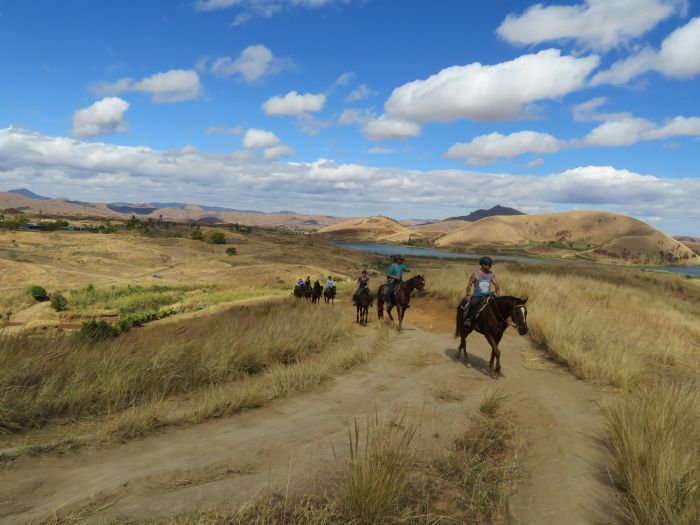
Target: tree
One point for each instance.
(218, 238)
(197, 234)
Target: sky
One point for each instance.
(406, 108)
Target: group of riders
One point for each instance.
(479, 286)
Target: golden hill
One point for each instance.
(440, 228)
(594, 235)
(379, 229)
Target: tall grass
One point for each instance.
(53, 378)
(656, 454)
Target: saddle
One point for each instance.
(473, 314)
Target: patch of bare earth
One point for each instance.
(289, 445)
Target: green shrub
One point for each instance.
(231, 251)
(197, 234)
(218, 238)
(58, 302)
(38, 293)
(98, 330)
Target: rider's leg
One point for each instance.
(469, 311)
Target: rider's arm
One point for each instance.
(470, 284)
(496, 285)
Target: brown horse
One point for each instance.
(316, 292)
(492, 321)
(402, 296)
(363, 301)
(303, 291)
(329, 294)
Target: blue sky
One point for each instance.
(405, 108)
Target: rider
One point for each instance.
(481, 280)
(362, 282)
(329, 283)
(393, 277)
(308, 281)
(300, 282)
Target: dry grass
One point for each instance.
(656, 454)
(55, 378)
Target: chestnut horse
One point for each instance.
(492, 321)
(402, 297)
(363, 301)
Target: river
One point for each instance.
(414, 251)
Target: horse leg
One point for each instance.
(498, 353)
(495, 355)
(401, 310)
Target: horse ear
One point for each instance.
(525, 300)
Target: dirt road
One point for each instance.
(286, 445)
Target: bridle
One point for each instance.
(500, 317)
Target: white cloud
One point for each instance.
(93, 171)
(277, 152)
(535, 163)
(312, 126)
(487, 93)
(253, 64)
(384, 128)
(378, 150)
(260, 8)
(343, 80)
(176, 85)
(104, 117)
(588, 111)
(354, 116)
(622, 132)
(294, 104)
(678, 126)
(362, 92)
(677, 58)
(594, 24)
(260, 138)
(489, 148)
(223, 129)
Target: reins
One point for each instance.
(500, 315)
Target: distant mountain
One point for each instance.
(29, 194)
(482, 214)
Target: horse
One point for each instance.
(329, 294)
(302, 291)
(363, 301)
(492, 321)
(402, 297)
(316, 292)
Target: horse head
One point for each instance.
(519, 315)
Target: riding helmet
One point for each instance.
(486, 260)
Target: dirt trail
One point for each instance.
(284, 446)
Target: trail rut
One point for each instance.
(285, 446)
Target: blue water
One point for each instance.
(413, 251)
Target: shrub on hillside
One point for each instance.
(218, 238)
(231, 251)
(197, 234)
(98, 330)
(38, 293)
(58, 302)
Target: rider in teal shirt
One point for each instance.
(393, 276)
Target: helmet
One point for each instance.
(364, 270)
(486, 261)
(396, 258)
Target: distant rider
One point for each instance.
(362, 282)
(482, 279)
(300, 282)
(329, 283)
(308, 281)
(393, 277)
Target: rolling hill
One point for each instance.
(592, 235)
(379, 229)
(477, 215)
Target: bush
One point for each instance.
(197, 234)
(218, 238)
(231, 251)
(98, 330)
(38, 293)
(58, 302)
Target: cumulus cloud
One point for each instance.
(71, 166)
(354, 116)
(489, 93)
(383, 128)
(104, 117)
(489, 148)
(273, 147)
(223, 129)
(594, 24)
(678, 57)
(176, 85)
(253, 64)
(294, 104)
(362, 92)
(622, 132)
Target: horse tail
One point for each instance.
(460, 313)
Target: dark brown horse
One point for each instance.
(363, 301)
(302, 291)
(316, 292)
(402, 297)
(492, 321)
(329, 294)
